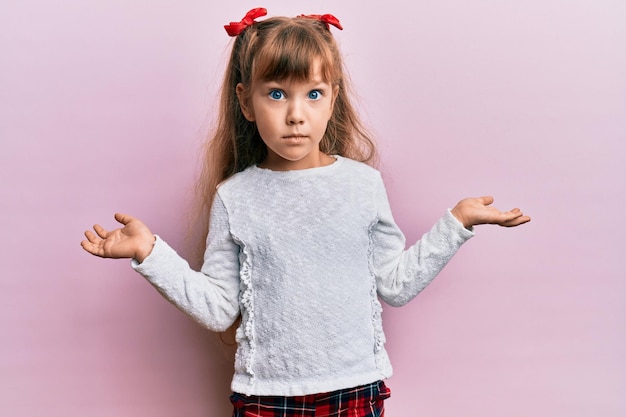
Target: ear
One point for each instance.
(244, 104)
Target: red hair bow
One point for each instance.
(235, 28)
(324, 18)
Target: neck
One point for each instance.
(276, 163)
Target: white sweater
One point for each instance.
(303, 256)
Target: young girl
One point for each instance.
(301, 241)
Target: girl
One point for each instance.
(301, 241)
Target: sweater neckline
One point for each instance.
(299, 173)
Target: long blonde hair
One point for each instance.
(277, 48)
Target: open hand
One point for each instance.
(475, 211)
(134, 240)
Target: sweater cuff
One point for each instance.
(457, 226)
(159, 247)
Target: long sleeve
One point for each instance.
(402, 274)
(209, 296)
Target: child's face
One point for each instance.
(291, 117)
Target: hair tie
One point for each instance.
(235, 28)
(324, 18)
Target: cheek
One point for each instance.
(265, 126)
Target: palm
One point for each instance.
(130, 241)
(475, 211)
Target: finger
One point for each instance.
(486, 200)
(517, 221)
(513, 214)
(85, 245)
(91, 248)
(91, 237)
(101, 231)
(516, 213)
(123, 218)
(504, 218)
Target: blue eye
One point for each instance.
(276, 94)
(315, 95)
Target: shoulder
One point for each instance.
(361, 172)
(238, 180)
(241, 186)
(356, 167)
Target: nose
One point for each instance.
(295, 112)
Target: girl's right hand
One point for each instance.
(134, 240)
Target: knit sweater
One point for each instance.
(304, 257)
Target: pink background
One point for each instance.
(103, 105)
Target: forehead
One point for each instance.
(315, 75)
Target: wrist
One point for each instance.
(458, 214)
(145, 249)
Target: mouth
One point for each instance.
(294, 137)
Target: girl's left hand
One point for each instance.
(474, 211)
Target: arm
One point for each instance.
(402, 274)
(209, 296)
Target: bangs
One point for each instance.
(290, 55)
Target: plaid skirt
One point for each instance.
(363, 401)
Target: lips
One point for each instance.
(294, 137)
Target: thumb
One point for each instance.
(123, 218)
(486, 200)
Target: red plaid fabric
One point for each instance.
(363, 401)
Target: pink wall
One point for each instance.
(102, 107)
